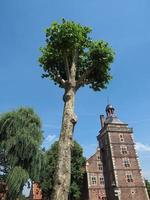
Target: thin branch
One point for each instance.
(73, 66)
(75, 57)
(60, 80)
(82, 79)
(67, 67)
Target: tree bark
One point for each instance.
(63, 172)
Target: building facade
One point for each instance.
(96, 185)
(120, 166)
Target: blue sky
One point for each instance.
(124, 24)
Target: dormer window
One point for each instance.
(99, 165)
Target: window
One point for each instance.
(121, 138)
(98, 157)
(124, 150)
(94, 180)
(126, 162)
(101, 180)
(99, 165)
(129, 177)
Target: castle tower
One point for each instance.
(123, 179)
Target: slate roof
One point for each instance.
(113, 120)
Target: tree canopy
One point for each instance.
(69, 42)
(21, 137)
(48, 171)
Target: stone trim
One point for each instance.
(124, 169)
(132, 186)
(123, 156)
(123, 143)
(113, 160)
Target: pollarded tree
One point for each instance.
(21, 137)
(72, 60)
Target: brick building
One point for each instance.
(35, 193)
(115, 163)
(94, 169)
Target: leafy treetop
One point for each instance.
(69, 44)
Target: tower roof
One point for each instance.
(109, 106)
(111, 116)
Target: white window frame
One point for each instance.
(126, 162)
(124, 150)
(101, 180)
(93, 182)
(129, 177)
(100, 166)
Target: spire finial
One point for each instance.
(110, 110)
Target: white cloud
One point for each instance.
(142, 147)
(49, 139)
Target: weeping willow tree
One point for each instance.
(72, 60)
(21, 137)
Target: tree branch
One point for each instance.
(67, 67)
(73, 66)
(81, 80)
(59, 79)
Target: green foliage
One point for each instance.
(16, 179)
(63, 42)
(77, 171)
(22, 197)
(3, 165)
(67, 35)
(48, 171)
(21, 137)
(147, 183)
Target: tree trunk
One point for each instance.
(63, 172)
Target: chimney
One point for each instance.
(102, 120)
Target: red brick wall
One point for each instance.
(37, 194)
(96, 191)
